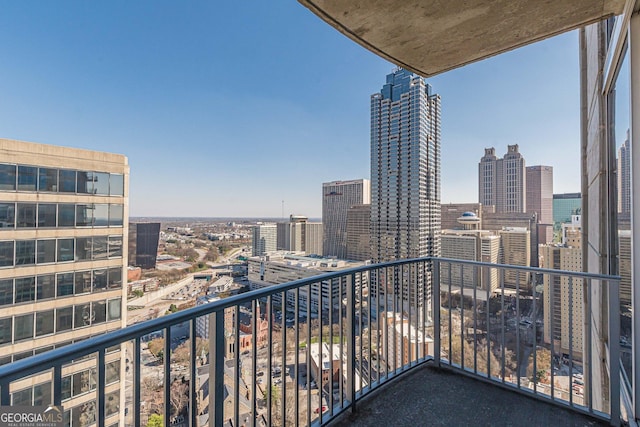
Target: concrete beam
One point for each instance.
(432, 36)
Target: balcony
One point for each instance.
(348, 347)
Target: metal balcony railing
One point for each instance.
(303, 352)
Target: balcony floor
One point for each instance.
(430, 396)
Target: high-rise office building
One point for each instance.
(540, 200)
(562, 307)
(564, 206)
(516, 250)
(502, 182)
(470, 245)
(359, 233)
(624, 177)
(450, 212)
(337, 198)
(405, 175)
(299, 235)
(264, 239)
(143, 244)
(64, 216)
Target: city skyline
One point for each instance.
(252, 121)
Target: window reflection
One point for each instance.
(101, 183)
(27, 178)
(7, 177)
(67, 181)
(48, 179)
(7, 215)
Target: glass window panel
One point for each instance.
(82, 316)
(47, 179)
(44, 323)
(26, 215)
(83, 282)
(23, 327)
(84, 415)
(7, 215)
(100, 280)
(67, 181)
(115, 246)
(99, 312)
(112, 372)
(64, 284)
(5, 330)
(100, 247)
(112, 403)
(64, 320)
(65, 250)
(116, 215)
(116, 184)
(25, 252)
(7, 177)
(27, 178)
(66, 388)
(6, 292)
(4, 360)
(46, 251)
(22, 397)
(84, 183)
(115, 278)
(100, 215)
(6, 253)
(83, 248)
(66, 215)
(84, 215)
(80, 383)
(42, 394)
(47, 215)
(46, 287)
(101, 183)
(25, 289)
(114, 309)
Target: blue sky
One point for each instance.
(228, 108)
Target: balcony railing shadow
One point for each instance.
(309, 351)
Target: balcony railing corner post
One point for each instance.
(436, 312)
(216, 368)
(351, 342)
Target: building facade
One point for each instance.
(299, 235)
(565, 205)
(143, 244)
(516, 250)
(540, 200)
(264, 238)
(359, 233)
(64, 215)
(405, 175)
(624, 177)
(502, 181)
(337, 198)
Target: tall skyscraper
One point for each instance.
(502, 182)
(405, 174)
(264, 239)
(624, 177)
(64, 215)
(300, 235)
(143, 244)
(516, 250)
(337, 198)
(540, 200)
(564, 206)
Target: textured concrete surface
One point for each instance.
(432, 36)
(428, 396)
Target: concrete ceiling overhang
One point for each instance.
(432, 36)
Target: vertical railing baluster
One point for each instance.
(167, 376)
(137, 378)
(351, 343)
(436, 313)
(503, 324)
(462, 328)
(100, 389)
(341, 325)
(614, 350)
(296, 363)
(5, 396)
(552, 280)
(368, 321)
(236, 367)
(256, 321)
(57, 384)
(216, 368)
(535, 342)
(423, 300)
(425, 310)
(319, 381)
(589, 346)
(269, 358)
(283, 370)
(394, 306)
(571, 341)
(193, 369)
(518, 361)
(308, 355)
(360, 348)
(450, 331)
(488, 326)
(475, 322)
(378, 332)
(330, 403)
(399, 338)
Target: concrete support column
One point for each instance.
(634, 117)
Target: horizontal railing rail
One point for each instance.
(303, 352)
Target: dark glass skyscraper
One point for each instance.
(405, 173)
(143, 244)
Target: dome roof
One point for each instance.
(468, 214)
